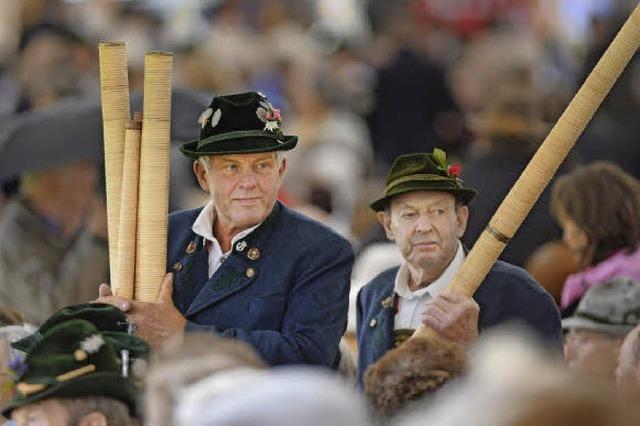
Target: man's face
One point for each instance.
(49, 412)
(592, 353)
(628, 371)
(243, 187)
(425, 226)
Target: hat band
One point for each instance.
(237, 135)
(28, 388)
(600, 320)
(410, 178)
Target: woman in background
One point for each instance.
(598, 208)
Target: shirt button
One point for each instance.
(373, 322)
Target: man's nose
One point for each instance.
(248, 179)
(424, 223)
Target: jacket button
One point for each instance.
(250, 272)
(373, 322)
(177, 267)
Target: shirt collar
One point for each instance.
(203, 225)
(401, 286)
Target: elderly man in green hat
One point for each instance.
(424, 212)
(245, 266)
(73, 376)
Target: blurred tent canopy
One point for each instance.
(71, 131)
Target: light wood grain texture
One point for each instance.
(153, 198)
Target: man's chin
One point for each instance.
(250, 217)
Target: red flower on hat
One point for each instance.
(455, 170)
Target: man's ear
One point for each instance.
(94, 418)
(201, 174)
(384, 218)
(282, 168)
(462, 217)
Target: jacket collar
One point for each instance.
(240, 269)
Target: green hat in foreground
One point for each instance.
(72, 360)
(239, 124)
(108, 320)
(423, 172)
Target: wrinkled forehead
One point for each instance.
(422, 199)
(249, 158)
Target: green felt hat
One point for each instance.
(423, 172)
(108, 319)
(72, 360)
(239, 124)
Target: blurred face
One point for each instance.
(243, 187)
(574, 237)
(592, 353)
(628, 371)
(44, 413)
(77, 183)
(425, 226)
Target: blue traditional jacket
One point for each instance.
(284, 288)
(507, 294)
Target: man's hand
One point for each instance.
(453, 316)
(155, 322)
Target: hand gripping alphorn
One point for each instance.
(514, 208)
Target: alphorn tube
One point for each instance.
(153, 197)
(114, 95)
(125, 268)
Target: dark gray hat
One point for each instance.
(611, 307)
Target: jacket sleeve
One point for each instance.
(316, 314)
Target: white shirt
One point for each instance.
(411, 303)
(203, 226)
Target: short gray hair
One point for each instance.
(205, 160)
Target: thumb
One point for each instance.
(104, 290)
(166, 289)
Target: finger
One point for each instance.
(104, 290)
(432, 321)
(434, 309)
(443, 304)
(166, 289)
(452, 296)
(119, 302)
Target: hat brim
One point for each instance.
(108, 384)
(465, 194)
(250, 145)
(579, 322)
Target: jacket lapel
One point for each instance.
(230, 278)
(190, 273)
(384, 321)
(239, 270)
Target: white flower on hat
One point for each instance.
(271, 126)
(216, 118)
(205, 116)
(92, 344)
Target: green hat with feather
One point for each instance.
(423, 172)
(73, 359)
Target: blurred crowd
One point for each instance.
(360, 82)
